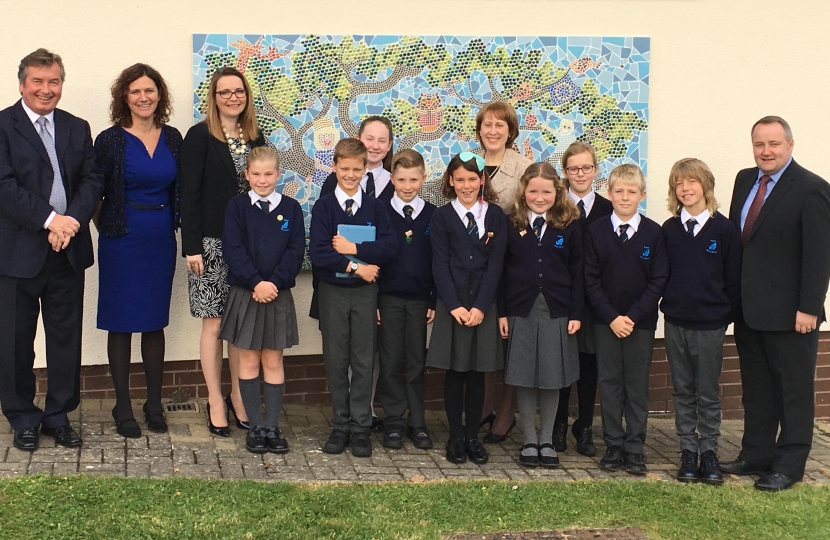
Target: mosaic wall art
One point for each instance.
(312, 90)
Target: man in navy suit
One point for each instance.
(49, 189)
(783, 213)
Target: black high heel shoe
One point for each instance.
(239, 423)
(218, 431)
(155, 422)
(492, 438)
(489, 419)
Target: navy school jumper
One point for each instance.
(409, 275)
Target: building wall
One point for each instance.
(716, 68)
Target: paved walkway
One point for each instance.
(188, 450)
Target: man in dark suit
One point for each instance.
(783, 213)
(49, 189)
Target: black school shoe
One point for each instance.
(420, 438)
(550, 462)
(476, 452)
(635, 464)
(377, 423)
(585, 442)
(688, 471)
(456, 452)
(276, 442)
(531, 460)
(337, 442)
(560, 437)
(361, 445)
(612, 460)
(255, 440)
(393, 437)
(709, 468)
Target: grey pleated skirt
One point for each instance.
(462, 348)
(540, 352)
(248, 324)
(585, 337)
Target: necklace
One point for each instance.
(236, 149)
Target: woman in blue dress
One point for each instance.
(139, 157)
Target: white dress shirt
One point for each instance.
(381, 177)
(587, 200)
(633, 224)
(531, 216)
(273, 199)
(50, 127)
(417, 205)
(701, 219)
(357, 199)
(479, 210)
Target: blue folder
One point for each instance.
(356, 234)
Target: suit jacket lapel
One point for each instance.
(25, 127)
(225, 157)
(784, 183)
(63, 131)
(739, 195)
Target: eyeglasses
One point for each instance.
(226, 94)
(467, 156)
(587, 169)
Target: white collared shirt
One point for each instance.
(273, 199)
(587, 200)
(417, 205)
(701, 219)
(479, 210)
(381, 177)
(357, 199)
(632, 223)
(531, 216)
(50, 127)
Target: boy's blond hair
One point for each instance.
(694, 169)
(263, 153)
(627, 174)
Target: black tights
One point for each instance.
(152, 355)
(456, 401)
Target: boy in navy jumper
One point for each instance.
(348, 305)
(702, 297)
(406, 305)
(626, 269)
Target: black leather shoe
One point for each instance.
(550, 462)
(393, 437)
(155, 421)
(495, 438)
(26, 439)
(127, 427)
(688, 471)
(219, 431)
(476, 452)
(709, 471)
(239, 423)
(584, 442)
(64, 436)
(560, 437)
(741, 467)
(612, 460)
(775, 481)
(635, 464)
(362, 445)
(377, 423)
(276, 442)
(337, 442)
(420, 438)
(455, 451)
(255, 440)
(531, 460)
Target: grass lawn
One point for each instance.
(89, 507)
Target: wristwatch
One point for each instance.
(353, 267)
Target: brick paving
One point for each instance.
(188, 450)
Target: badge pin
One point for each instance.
(279, 217)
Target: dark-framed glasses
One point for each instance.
(226, 94)
(587, 169)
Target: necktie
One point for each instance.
(690, 226)
(57, 197)
(624, 232)
(407, 213)
(538, 223)
(349, 203)
(370, 185)
(472, 228)
(755, 208)
(264, 204)
(581, 206)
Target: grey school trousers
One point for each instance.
(623, 366)
(696, 359)
(348, 322)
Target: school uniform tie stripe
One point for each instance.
(349, 203)
(624, 232)
(538, 223)
(57, 197)
(690, 226)
(581, 206)
(755, 208)
(370, 185)
(264, 204)
(407, 213)
(472, 228)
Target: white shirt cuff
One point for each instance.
(49, 219)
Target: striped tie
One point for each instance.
(370, 185)
(57, 197)
(349, 203)
(472, 228)
(624, 232)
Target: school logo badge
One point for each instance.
(713, 247)
(646, 255)
(560, 242)
(284, 225)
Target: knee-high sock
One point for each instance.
(118, 354)
(152, 354)
(454, 402)
(548, 404)
(473, 403)
(249, 388)
(527, 399)
(273, 404)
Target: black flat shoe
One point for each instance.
(550, 462)
(560, 437)
(612, 460)
(476, 452)
(64, 436)
(276, 442)
(393, 437)
(222, 431)
(635, 464)
(127, 427)
(362, 444)
(26, 439)
(420, 438)
(239, 423)
(337, 442)
(488, 420)
(155, 422)
(741, 468)
(455, 451)
(775, 481)
(709, 470)
(495, 438)
(255, 440)
(529, 460)
(688, 471)
(585, 443)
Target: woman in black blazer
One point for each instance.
(214, 154)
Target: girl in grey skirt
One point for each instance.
(541, 304)
(263, 243)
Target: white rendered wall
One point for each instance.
(716, 67)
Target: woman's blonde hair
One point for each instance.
(247, 119)
(560, 215)
(694, 169)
